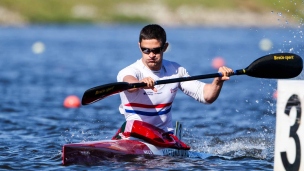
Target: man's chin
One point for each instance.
(154, 66)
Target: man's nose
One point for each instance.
(151, 54)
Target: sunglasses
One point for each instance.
(154, 50)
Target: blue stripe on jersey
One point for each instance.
(148, 113)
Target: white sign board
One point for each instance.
(289, 139)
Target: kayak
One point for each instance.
(94, 151)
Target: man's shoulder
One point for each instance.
(132, 69)
(135, 64)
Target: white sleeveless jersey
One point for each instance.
(155, 107)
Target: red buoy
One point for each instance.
(218, 62)
(71, 102)
(275, 94)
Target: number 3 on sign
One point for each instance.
(288, 126)
(293, 101)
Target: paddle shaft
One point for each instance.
(174, 80)
(198, 77)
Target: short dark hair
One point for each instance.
(153, 31)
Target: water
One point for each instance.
(240, 125)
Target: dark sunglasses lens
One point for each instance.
(156, 50)
(145, 50)
(148, 51)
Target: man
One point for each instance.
(152, 105)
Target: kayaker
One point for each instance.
(152, 104)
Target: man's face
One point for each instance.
(152, 53)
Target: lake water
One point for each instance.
(35, 125)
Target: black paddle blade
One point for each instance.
(97, 93)
(278, 66)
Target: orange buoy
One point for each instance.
(275, 94)
(218, 62)
(71, 102)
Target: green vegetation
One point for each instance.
(75, 11)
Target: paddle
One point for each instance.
(278, 66)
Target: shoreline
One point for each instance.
(183, 16)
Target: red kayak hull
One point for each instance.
(91, 152)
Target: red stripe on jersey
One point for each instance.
(148, 106)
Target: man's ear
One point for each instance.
(165, 46)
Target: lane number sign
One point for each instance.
(289, 141)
